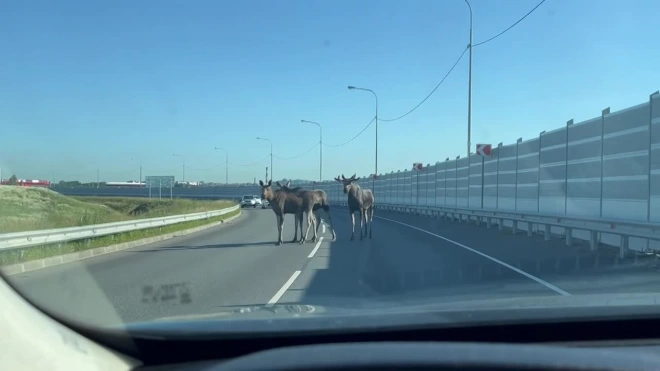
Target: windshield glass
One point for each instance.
(443, 155)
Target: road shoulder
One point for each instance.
(37, 264)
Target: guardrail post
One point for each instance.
(514, 228)
(593, 240)
(500, 224)
(529, 229)
(547, 232)
(488, 222)
(569, 236)
(623, 249)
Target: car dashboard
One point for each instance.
(436, 356)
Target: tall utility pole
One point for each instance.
(184, 166)
(376, 167)
(226, 164)
(469, 143)
(139, 180)
(271, 156)
(320, 147)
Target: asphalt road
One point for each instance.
(409, 257)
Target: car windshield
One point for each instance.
(403, 157)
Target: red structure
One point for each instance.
(28, 183)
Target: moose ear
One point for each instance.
(279, 184)
(270, 182)
(261, 183)
(343, 177)
(288, 183)
(353, 177)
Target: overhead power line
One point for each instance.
(459, 59)
(355, 137)
(432, 91)
(513, 25)
(298, 155)
(414, 108)
(251, 163)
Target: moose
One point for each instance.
(283, 203)
(360, 200)
(312, 201)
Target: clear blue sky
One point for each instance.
(87, 84)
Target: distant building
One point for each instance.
(130, 183)
(28, 183)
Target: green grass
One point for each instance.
(27, 209)
(44, 251)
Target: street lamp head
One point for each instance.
(351, 87)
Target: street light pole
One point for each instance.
(271, 156)
(184, 166)
(320, 147)
(226, 164)
(376, 169)
(469, 142)
(97, 173)
(139, 180)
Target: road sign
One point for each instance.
(484, 149)
(166, 181)
(418, 166)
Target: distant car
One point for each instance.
(249, 200)
(257, 200)
(265, 204)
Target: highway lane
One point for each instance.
(409, 257)
(227, 265)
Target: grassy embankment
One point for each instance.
(27, 209)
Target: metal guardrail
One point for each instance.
(17, 240)
(624, 228)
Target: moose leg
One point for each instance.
(280, 227)
(361, 224)
(317, 222)
(353, 229)
(327, 211)
(365, 214)
(295, 234)
(300, 223)
(310, 220)
(371, 220)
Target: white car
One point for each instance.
(257, 200)
(249, 200)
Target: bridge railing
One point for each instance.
(537, 223)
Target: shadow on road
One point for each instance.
(214, 246)
(400, 262)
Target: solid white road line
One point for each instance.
(534, 278)
(283, 289)
(316, 248)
